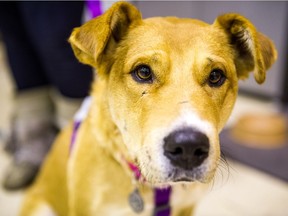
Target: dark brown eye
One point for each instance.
(142, 74)
(216, 78)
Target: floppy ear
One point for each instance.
(253, 50)
(90, 40)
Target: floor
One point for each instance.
(241, 191)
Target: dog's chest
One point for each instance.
(186, 195)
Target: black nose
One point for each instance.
(186, 148)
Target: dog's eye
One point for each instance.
(216, 78)
(142, 74)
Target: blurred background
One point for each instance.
(255, 181)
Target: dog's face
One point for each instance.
(170, 88)
(171, 84)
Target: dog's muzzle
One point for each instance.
(186, 148)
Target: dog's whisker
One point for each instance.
(222, 173)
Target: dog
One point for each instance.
(149, 143)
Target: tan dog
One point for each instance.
(165, 88)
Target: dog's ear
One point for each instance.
(90, 41)
(253, 50)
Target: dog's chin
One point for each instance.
(181, 176)
(186, 176)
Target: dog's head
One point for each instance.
(171, 84)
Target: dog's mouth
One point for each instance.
(177, 175)
(184, 179)
(181, 175)
(171, 174)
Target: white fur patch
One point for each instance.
(192, 120)
(83, 111)
(248, 39)
(43, 210)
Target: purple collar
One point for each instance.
(162, 201)
(76, 126)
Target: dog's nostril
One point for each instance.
(201, 152)
(186, 148)
(176, 151)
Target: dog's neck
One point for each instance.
(109, 137)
